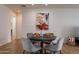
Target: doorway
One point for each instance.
(13, 28)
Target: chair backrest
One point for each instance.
(60, 43)
(57, 43)
(27, 45)
(29, 35)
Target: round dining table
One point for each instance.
(42, 40)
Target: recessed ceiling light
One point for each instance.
(32, 4)
(46, 4)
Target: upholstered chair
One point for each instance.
(28, 46)
(56, 45)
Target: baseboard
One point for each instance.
(5, 42)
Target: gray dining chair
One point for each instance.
(29, 35)
(56, 45)
(28, 46)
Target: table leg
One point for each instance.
(41, 48)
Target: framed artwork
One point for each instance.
(42, 21)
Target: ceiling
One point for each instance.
(18, 7)
(14, 7)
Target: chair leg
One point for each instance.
(24, 51)
(45, 51)
(60, 51)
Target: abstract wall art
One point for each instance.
(42, 21)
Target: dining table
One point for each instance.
(42, 40)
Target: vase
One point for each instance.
(41, 34)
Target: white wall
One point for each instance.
(5, 27)
(62, 21)
(66, 21)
